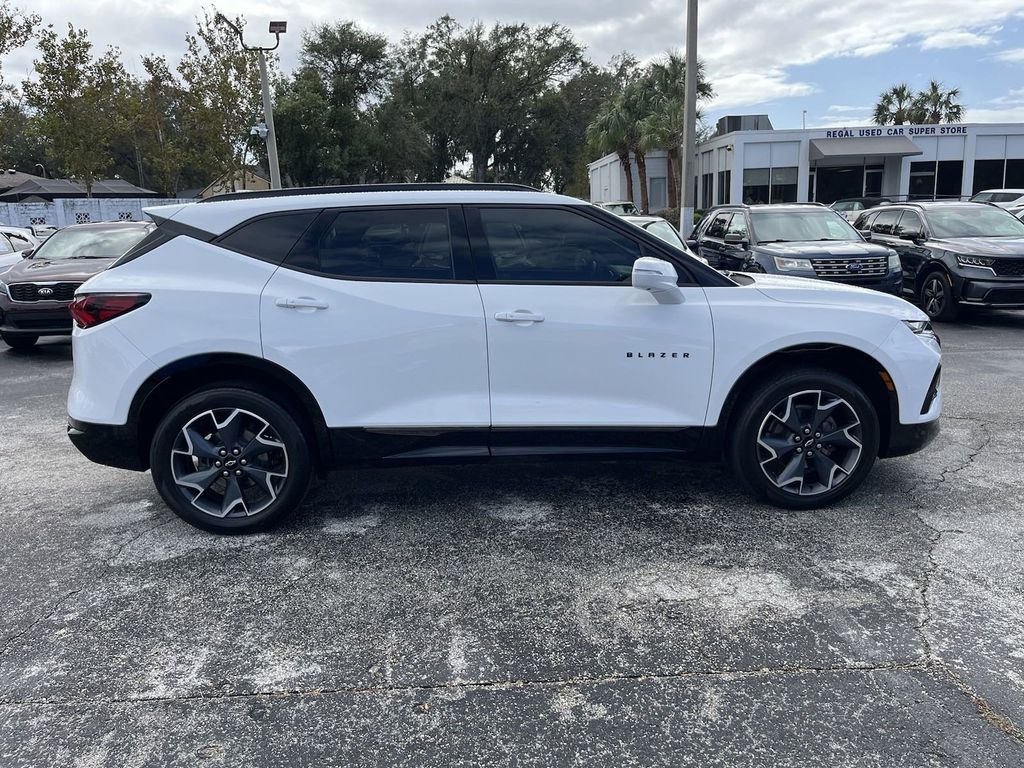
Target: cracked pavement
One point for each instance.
(529, 614)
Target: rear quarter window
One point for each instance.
(269, 238)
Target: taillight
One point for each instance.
(97, 308)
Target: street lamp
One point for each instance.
(689, 170)
(266, 128)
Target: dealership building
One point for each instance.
(748, 161)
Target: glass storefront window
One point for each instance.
(1015, 174)
(988, 174)
(724, 186)
(922, 181)
(784, 185)
(756, 188)
(949, 179)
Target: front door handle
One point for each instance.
(301, 302)
(519, 316)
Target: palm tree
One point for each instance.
(938, 105)
(663, 128)
(894, 106)
(608, 132)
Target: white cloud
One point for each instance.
(955, 38)
(1003, 115)
(1011, 55)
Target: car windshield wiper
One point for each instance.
(776, 240)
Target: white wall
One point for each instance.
(60, 213)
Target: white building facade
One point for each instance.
(828, 164)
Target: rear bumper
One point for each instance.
(110, 444)
(910, 438)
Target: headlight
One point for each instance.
(3, 289)
(974, 261)
(787, 264)
(921, 328)
(894, 261)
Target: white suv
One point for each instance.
(255, 340)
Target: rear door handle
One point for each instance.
(301, 302)
(519, 316)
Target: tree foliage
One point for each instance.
(78, 102)
(899, 105)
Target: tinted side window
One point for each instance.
(544, 245)
(269, 238)
(718, 225)
(393, 244)
(885, 222)
(863, 221)
(910, 223)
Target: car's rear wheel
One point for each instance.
(806, 441)
(230, 460)
(19, 341)
(936, 298)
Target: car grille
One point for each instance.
(847, 269)
(29, 292)
(1005, 296)
(1009, 267)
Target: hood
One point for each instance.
(983, 246)
(824, 249)
(804, 290)
(41, 270)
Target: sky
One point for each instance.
(779, 57)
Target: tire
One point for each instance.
(237, 431)
(19, 342)
(936, 298)
(776, 459)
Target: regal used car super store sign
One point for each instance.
(897, 130)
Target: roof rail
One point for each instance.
(294, 191)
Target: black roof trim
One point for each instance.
(294, 191)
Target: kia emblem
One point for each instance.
(46, 291)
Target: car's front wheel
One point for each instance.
(937, 299)
(230, 460)
(19, 342)
(805, 441)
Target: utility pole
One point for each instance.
(266, 131)
(689, 168)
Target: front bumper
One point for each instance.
(992, 293)
(909, 438)
(110, 444)
(43, 318)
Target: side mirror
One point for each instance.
(865, 233)
(734, 238)
(693, 243)
(27, 253)
(659, 278)
(914, 237)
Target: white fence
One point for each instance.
(60, 213)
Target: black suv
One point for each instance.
(954, 254)
(798, 239)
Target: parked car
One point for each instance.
(852, 207)
(36, 291)
(954, 254)
(21, 238)
(798, 239)
(252, 341)
(663, 230)
(9, 255)
(620, 208)
(1011, 199)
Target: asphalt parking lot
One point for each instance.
(530, 614)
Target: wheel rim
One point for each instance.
(228, 462)
(934, 295)
(810, 443)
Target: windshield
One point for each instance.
(664, 231)
(622, 209)
(89, 243)
(800, 226)
(974, 221)
(848, 205)
(997, 197)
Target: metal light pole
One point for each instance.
(277, 28)
(689, 194)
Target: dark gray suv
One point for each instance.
(797, 239)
